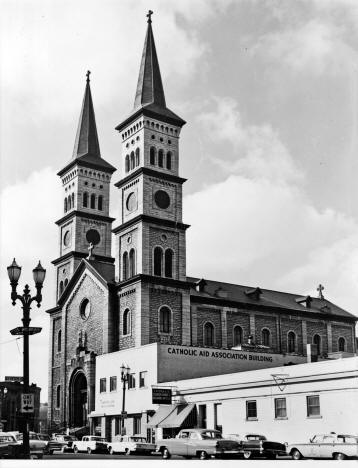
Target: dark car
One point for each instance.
(61, 442)
(5, 440)
(256, 445)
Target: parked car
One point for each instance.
(201, 443)
(257, 445)
(61, 442)
(6, 438)
(336, 446)
(37, 446)
(130, 444)
(90, 444)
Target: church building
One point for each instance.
(134, 296)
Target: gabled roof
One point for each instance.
(149, 97)
(104, 272)
(267, 298)
(86, 151)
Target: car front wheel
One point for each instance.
(296, 455)
(203, 455)
(110, 450)
(247, 454)
(75, 449)
(339, 456)
(89, 450)
(166, 454)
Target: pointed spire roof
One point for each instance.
(149, 97)
(86, 151)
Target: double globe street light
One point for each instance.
(39, 273)
(125, 376)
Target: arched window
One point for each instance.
(85, 200)
(152, 155)
(93, 201)
(132, 160)
(100, 202)
(160, 158)
(125, 266)
(66, 282)
(58, 396)
(59, 336)
(169, 263)
(237, 335)
(65, 205)
(208, 334)
(265, 337)
(137, 157)
(317, 342)
(341, 344)
(61, 287)
(291, 342)
(127, 163)
(158, 261)
(73, 200)
(126, 329)
(69, 202)
(165, 316)
(132, 263)
(169, 160)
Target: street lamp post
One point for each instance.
(14, 272)
(125, 374)
(3, 392)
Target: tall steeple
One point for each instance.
(150, 99)
(86, 138)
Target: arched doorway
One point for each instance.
(78, 399)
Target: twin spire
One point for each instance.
(149, 99)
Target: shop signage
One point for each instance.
(13, 378)
(188, 351)
(161, 396)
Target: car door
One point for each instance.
(326, 446)
(182, 443)
(315, 446)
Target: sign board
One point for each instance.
(27, 402)
(13, 378)
(161, 396)
(124, 414)
(25, 330)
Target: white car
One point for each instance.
(130, 444)
(90, 444)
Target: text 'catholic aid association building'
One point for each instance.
(140, 307)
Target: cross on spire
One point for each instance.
(88, 76)
(320, 289)
(149, 16)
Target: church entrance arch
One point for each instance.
(78, 399)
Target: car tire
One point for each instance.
(296, 454)
(203, 455)
(40, 456)
(271, 456)
(50, 452)
(339, 456)
(110, 450)
(89, 450)
(247, 454)
(166, 454)
(127, 451)
(75, 449)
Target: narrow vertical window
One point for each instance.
(208, 334)
(61, 287)
(137, 157)
(291, 342)
(127, 163)
(280, 408)
(66, 282)
(85, 200)
(251, 409)
(125, 266)
(59, 337)
(58, 396)
(164, 320)
(73, 200)
(132, 160)
(69, 202)
(126, 329)
(317, 342)
(65, 205)
(113, 384)
(237, 336)
(341, 344)
(100, 203)
(158, 261)
(265, 337)
(169, 160)
(169, 263)
(152, 155)
(132, 263)
(160, 158)
(313, 406)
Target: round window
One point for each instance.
(162, 199)
(66, 239)
(85, 309)
(93, 236)
(131, 201)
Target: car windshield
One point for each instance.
(211, 435)
(7, 438)
(99, 439)
(138, 439)
(44, 437)
(348, 439)
(255, 437)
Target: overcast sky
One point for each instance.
(270, 149)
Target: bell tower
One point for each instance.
(86, 186)
(150, 240)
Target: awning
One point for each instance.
(171, 415)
